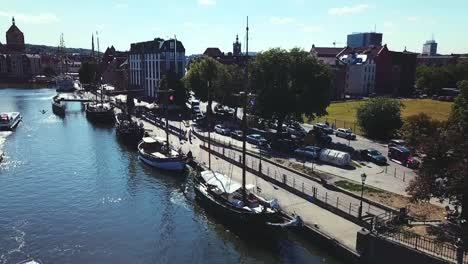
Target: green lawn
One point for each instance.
(343, 114)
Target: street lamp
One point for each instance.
(363, 180)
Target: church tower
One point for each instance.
(92, 45)
(236, 47)
(15, 38)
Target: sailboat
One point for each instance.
(127, 128)
(64, 82)
(99, 110)
(237, 202)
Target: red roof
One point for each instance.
(213, 52)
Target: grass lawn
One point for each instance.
(344, 113)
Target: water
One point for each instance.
(71, 193)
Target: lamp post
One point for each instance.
(363, 180)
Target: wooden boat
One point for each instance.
(57, 107)
(100, 112)
(128, 129)
(157, 153)
(9, 120)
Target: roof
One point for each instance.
(326, 51)
(221, 181)
(13, 29)
(213, 52)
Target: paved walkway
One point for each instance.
(329, 223)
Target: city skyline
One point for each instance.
(215, 23)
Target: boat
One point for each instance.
(64, 84)
(58, 107)
(9, 120)
(236, 202)
(128, 129)
(1, 156)
(30, 261)
(100, 111)
(157, 153)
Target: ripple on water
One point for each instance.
(15, 240)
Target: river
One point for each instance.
(71, 193)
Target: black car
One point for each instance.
(324, 128)
(374, 156)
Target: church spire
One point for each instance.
(92, 44)
(13, 20)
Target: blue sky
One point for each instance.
(214, 23)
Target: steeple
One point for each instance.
(236, 47)
(13, 20)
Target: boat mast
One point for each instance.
(98, 65)
(208, 115)
(244, 114)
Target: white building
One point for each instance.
(149, 61)
(360, 73)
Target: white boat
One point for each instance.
(157, 153)
(100, 111)
(9, 120)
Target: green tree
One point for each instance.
(204, 73)
(380, 117)
(444, 170)
(171, 81)
(417, 129)
(289, 84)
(432, 79)
(89, 73)
(48, 71)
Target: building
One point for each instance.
(430, 48)
(328, 56)
(149, 61)
(360, 70)
(366, 39)
(14, 38)
(116, 73)
(437, 60)
(235, 57)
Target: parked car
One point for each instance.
(396, 142)
(284, 145)
(402, 156)
(345, 133)
(374, 156)
(223, 130)
(296, 130)
(237, 134)
(323, 127)
(319, 136)
(309, 152)
(256, 139)
(198, 117)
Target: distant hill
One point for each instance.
(32, 48)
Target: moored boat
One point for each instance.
(100, 112)
(128, 129)
(157, 153)
(58, 107)
(9, 120)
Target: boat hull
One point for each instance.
(101, 116)
(169, 164)
(232, 216)
(13, 123)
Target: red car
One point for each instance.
(403, 156)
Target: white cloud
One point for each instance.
(346, 10)
(309, 28)
(207, 2)
(120, 5)
(281, 20)
(413, 19)
(42, 18)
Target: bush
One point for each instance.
(380, 117)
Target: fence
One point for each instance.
(430, 246)
(303, 188)
(336, 123)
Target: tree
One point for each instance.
(289, 85)
(48, 71)
(432, 79)
(89, 73)
(417, 129)
(380, 117)
(204, 73)
(444, 170)
(171, 81)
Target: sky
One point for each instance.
(214, 23)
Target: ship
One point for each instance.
(58, 107)
(128, 129)
(9, 120)
(100, 111)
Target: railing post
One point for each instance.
(394, 173)
(326, 197)
(268, 171)
(294, 183)
(404, 176)
(284, 179)
(337, 201)
(350, 208)
(302, 187)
